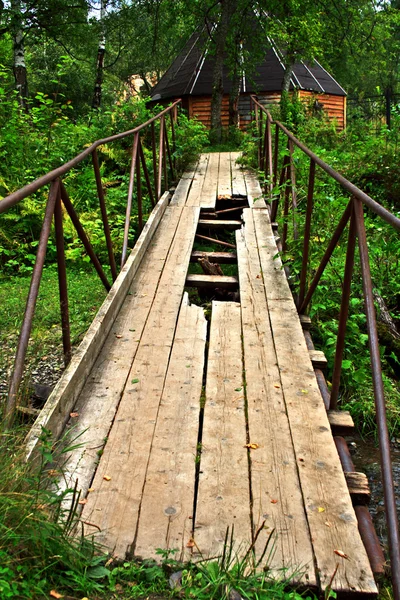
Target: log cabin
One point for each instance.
(190, 77)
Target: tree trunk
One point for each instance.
(218, 85)
(19, 66)
(285, 90)
(96, 102)
(234, 120)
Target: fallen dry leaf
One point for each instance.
(55, 594)
(73, 415)
(106, 477)
(190, 543)
(321, 509)
(274, 501)
(252, 446)
(90, 489)
(276, 385)
(118, 336)
(83, 501)
(342, 554)
(328, 524)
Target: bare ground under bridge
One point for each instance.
(191, 420)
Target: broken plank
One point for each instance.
(167, 505)
(212, 281)
(254, 192)
(55, 412)
(216, 257)
(220, 224)
(321, 477)
(358, 487)
(305, 320)
(114, 506)
(276, 492)
(223, 496)
(318, 359)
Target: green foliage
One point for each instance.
(191, 138)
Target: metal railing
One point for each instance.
(163, 165)
(268, 159)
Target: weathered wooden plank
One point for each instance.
(168, 495)
(223, 496)
(215, 257)
(358, 487)
(96, 406)
(254, 192)
(114, 505)
(276, 491)
(209, 191)
(224, 177)
(212, 281)
(182, 189)
(323, 484)
(318, 359)
(230, 224)
(195, 192)
(238, 182)
(55, 412)
(341, 422)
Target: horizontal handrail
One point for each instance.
(268, 158)
(33, 187)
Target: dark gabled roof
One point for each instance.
(191, 73)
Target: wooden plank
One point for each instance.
(55, 412)
(318, 359)
(304, 320)
(209, 191)
(358, 487)
(195, 192)
(276, 491)
(182, 189)
(341, 422)
(230, 224)
(224, 177)
(97, 404)
(167, 504)
(223, 258)
(223, 496)
(254, 192)
(238, 182)
(114, 505)
(322, 480)
(212, 281)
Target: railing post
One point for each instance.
(130, 196)
(165, 154)
(153, 149)
(160, 159)
(146, 174)
(276, 154)
(30, 306)
(285, 211)
(106, 227)
(139, 192)
(173, 117)
(268, 166)
(307, 233)
(384, 441)
(168, 150)
(344, 312)
(293, 189)
(62, 280)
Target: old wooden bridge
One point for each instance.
(196, 422)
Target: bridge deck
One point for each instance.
(190, 426)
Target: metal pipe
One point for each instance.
(345, 183)
(344, 312)
(307, 232)
(370, 540)
(83, 237)
(276, 152)
(171, 166)
(106, 227)
(293, 190)
(160, 159)
(325, 259)
(285, 213)
(130, 197)
(153, 150)
(269, 170)
(204, 237)
(344, 454)
(30, 307)
(139, 192)
(380, 407)
(146, 174)
(62, 280)
(29, 189)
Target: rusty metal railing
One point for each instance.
(268, 159)
(58, 196)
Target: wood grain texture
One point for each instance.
(114, 505)
(55, 412)
(237, 175)
(341, 422)
(212, 281)
(196, 189)
(276, 491)
(253, 188)
(99, 399)
(224, 177)
(223, 496)
(168, 495)
(209, 191)
(182, 189)
(323, 484)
